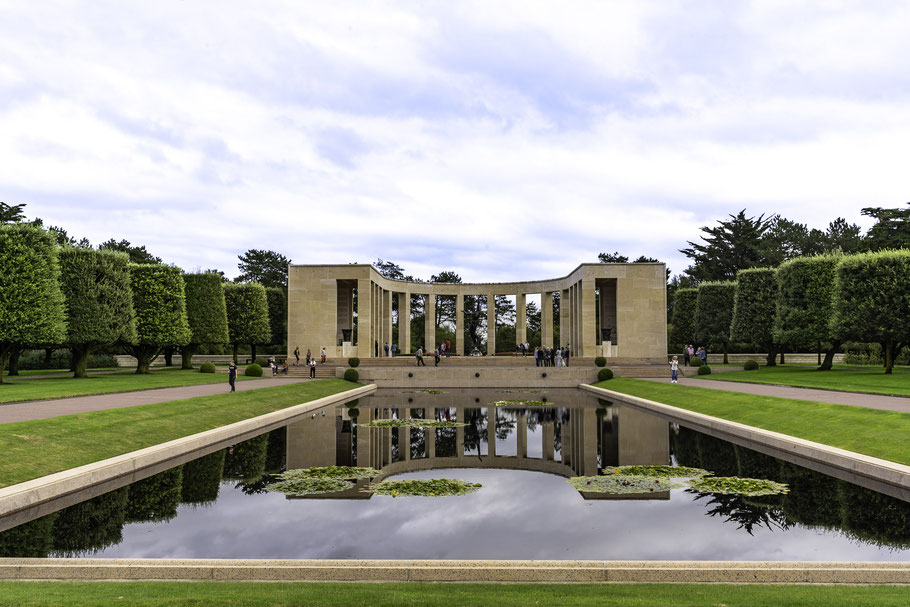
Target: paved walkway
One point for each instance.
(872, 401)
(43, 409)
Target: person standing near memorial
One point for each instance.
(297, 356)
(323, 355)
(674, 370)
(313, 368)
(419, 355)
(232, 375)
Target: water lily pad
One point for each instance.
(523, 391)
(425, 391)
(739, 486)
(410, 423)
(309, 486)
(617, 484)
(434, 487)
(521, 403)
(337, 472)
(664, 471)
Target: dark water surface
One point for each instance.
(216, 506)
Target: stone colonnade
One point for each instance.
(631, 313)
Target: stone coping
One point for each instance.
(726, 572)
(873, 473)
(124, 469)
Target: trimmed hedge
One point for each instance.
(750, 365)
(714, 313)
(353, 362)
(683, 321)
(604, 374)
(704, 370)
(253, 370)
(695, 361)
(600, 361)
(351, 375)
(262, 361)
(207, 367)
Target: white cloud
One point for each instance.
(504, 140)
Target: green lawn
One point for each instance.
(848, 378)
(63, 387)
(34, 594)
(871, 431)
(30, 372)
(35, 448)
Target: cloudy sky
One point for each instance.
(502, 140)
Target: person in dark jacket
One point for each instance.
(232, 375)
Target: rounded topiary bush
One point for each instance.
(704, 370)
(696, 362)
(604, 374)
(750, 365)
(351, 375)
(262, 361)
(253, 370)
(353, 362)
(600, 361)
(207, 367)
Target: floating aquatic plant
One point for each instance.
(617, 484)
(337, 472)
(434, 487)
(739, 486)
(522, 402)
(309, 486)
(523, 391)
(427, 391)
(664, 471)
(410, 423)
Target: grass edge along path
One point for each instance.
(841, 378)
(332, 594)
(873, 432)
(53, 388)
(36, 448)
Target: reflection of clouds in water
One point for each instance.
(517, 515)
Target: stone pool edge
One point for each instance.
(248, 570)
(874, 473)
(126, 468)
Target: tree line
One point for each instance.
(57, 292)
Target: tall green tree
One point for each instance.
(731, 246)
(872, 300)
(205, 312)
(805, 305)
(843, 237)
(683, 321)
(268, 268)
(247, 314)
(891, 229)
(278, 315)
(11, 213)
(159, 302)
(754, 310)
(137, 254)
(31, 303)
(99, 301)
(714, 313)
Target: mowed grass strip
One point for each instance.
(39, 447)
(869, 431)
(327, 594)
(63, 387)
(870, 380)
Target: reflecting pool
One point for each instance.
(217, 506)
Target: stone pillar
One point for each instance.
(364, 440)
(491, 431)
(404, 322)
(404, 443)
(521, 320)
(587, 338)
(491, 324)
(430, 440)
(521, 427)
(430, 323)
(386, 322)
(565, 318)
(459, 324)
(546, 319)
(459, 432)
(546, 441)
(364, 318)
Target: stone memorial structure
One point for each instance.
(627, 300)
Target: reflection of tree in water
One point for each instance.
(246, 460)
(445, 442)
(34, 539)
(735, 509)
(476, 431)
(92, 525)
(685, 447)
(277, 450)
(717, 455)
(505, 423)
(155, 498)
(202, 478)
(875, 518)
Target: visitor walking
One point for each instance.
(394, 350)
(386, 348)
(376, 349)
(687, 354)
(297, 356)
(308, 357)
(674, 370)
(559, 357)
(313, 368)
(232, 375)
(566, 355)
(419, 355)
(436, 357)
(323, 354)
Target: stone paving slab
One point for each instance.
(741, 572)
(43, 409)
(856, 399)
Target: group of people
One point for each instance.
(309, 358)
(551, 357)
(437, 354)
(690, 351)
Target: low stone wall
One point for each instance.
(125, 360)
(475, 377)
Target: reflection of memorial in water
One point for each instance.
(575, 437)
